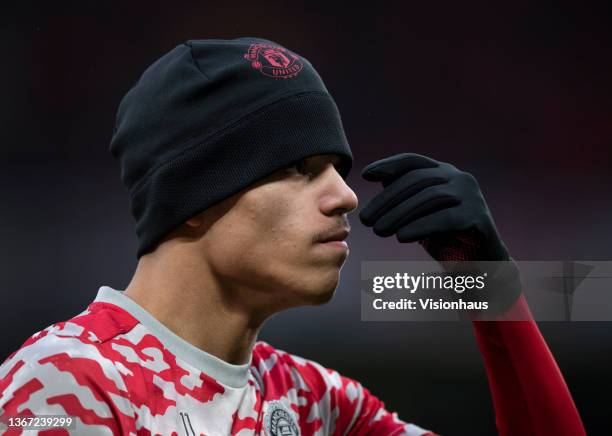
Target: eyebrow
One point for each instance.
(333, 159)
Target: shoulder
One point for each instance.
(81, 337)
(316, 387)
(323, 398)
(67, 368)
(281, 364)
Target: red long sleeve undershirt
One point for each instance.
(529, 393)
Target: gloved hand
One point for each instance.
(443, 208)
(434, 203)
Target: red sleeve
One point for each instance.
(529, 393)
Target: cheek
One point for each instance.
(259, 238)
(271, 226)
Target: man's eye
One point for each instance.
(299, 167)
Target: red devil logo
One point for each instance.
(274, 61)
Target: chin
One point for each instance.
(324, 297)
(324, 292)
(313, 288)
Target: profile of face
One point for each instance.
(264, 243)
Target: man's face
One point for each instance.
(265, 242)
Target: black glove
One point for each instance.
(434, 203)
(443, 208)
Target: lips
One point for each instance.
(339, 235)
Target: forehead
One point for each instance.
(334, 159)
(314, 162)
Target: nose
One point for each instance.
(338, 198)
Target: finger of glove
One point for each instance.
(426, 202)
(442, 221)
(401, 189)
(388, 169)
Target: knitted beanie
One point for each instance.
(211, 117)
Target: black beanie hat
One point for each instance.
(213, 116)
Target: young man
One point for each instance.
(235, 159)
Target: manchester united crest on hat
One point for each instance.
(274, 60)
(280, 421)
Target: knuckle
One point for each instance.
(470, 177)
(467, 178)
(449, 167)
(446, 190)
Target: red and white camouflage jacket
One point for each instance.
(119, 371)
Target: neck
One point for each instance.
(186, 297)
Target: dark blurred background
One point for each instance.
(518, 95)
